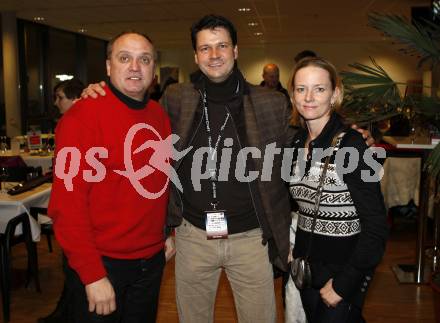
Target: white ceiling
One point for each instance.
(167, 22)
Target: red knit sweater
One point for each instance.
(108, 218)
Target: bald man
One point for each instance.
(271, 80)
(111, 232)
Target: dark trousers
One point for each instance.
(136, 284)
(318, 312)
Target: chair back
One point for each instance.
(8, 240)
(11, 238)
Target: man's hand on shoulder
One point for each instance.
(369, 140)
(101, 297)
(93, 90)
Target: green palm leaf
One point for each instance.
(418, 38)
(427, 106)
(366, 118)
(371, 95)
(370, 87)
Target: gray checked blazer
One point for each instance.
(266, 117)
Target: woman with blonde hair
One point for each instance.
(341, 227)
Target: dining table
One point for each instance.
(412, 181)
(14, 205)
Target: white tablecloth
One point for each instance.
(11, 206)
(35, 161)
(401, 181)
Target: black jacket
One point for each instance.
(349, 259)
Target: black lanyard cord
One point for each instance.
(211, 166)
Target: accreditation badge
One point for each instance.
(216, 225)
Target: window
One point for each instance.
(33, 82)
(2, 93)
(48, 55)
(96, 56)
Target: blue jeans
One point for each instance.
(318, 312)
(136, 283)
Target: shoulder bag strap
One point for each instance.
(335, 144)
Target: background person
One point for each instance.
(154, 91)
(303, 54)
(351, 229)
(271, 80)
(66, 93)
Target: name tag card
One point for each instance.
(216, 225)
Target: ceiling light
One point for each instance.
(82, 30)
(252, 24)
(244, 9)
(64, 77)
(38, 18)
(258, 34)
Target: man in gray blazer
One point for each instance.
(257, 213)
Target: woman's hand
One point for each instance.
(329, 296)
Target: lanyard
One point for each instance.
(210, 163)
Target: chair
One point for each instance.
(7, 240)
(46, 228)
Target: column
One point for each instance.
(11, 73)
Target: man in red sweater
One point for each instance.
(108, 203)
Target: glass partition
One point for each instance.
(2, 93)
(96, 55)
(47, 56)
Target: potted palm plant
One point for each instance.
(372, 95)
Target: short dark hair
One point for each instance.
(212, 22)
(72, 88)
(112, 41)
(304, 54)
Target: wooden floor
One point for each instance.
(387, 301)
